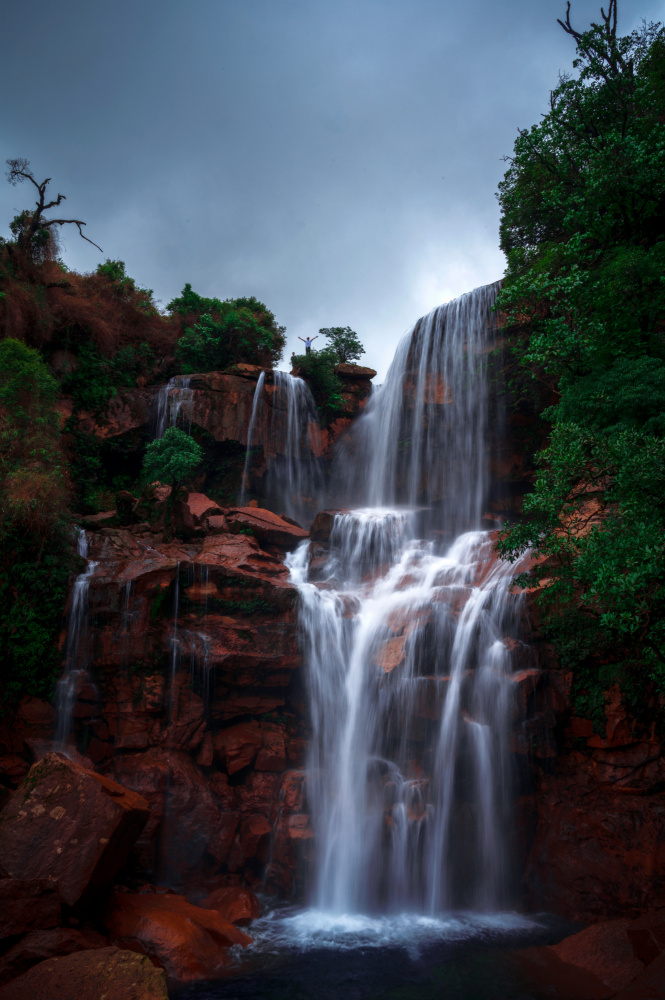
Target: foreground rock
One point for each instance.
(619, 958)
(107, 973)
(70, 825)
(41, 945)
(188, 941)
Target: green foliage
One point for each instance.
(115, 271)
(219, 334)
(318, 369)
(173, 459)
(583, 225)
(96, 378)
(344, 341)
(36, 551)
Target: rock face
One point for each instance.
(203, 720)
(90, 975)
(189, 942)
(45, 829)
(595, 837)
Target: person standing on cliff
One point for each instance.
(308, 343)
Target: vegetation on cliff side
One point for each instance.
(583, 227)
(84, 337)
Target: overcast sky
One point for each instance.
(338, 159)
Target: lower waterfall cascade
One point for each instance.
(409, 627)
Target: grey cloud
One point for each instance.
(336, 159)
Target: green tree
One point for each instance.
(172, 460)
(36, 550)
(583, 227)
(219, 334)
(318, 370)
(345, 343)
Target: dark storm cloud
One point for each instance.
(336, 159)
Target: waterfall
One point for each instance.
(250, 437)
(422, 438)
(77, 653)
(170, 399)
(404, 640)
(295, 478)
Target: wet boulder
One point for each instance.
(233, 903)
(189, 942)
(271, 530)
(89, 975)
(69, 824)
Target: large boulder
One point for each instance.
(70, 824)
(107, 973)
(271, 530)
(189, 942)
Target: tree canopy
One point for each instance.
(344, 342)
(171, 459)
(218, 334)
(583, 227)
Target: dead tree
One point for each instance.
(32, 222)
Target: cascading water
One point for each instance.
(77, 654)
(170, 399)
(294, 481)
(258, 398)
(404, 639)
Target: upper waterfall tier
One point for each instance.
(423, 436)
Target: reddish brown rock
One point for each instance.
(238, 746)
(233, 903)
(391, 654)
(184, 816)
(97, 973)
(255, 833)
(272, 755)
(13, 769)
(37, 946)
(70, 824)
(28, 904)
(604, 950)
(270, 529)
(649, 985)
(189, 942)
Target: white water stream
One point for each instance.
(77, 653)
(404, 630)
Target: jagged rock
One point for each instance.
(270, 529)
(70, 824)
(189, 942)
(107, 973)
(322, 525)
(235, 904)
(37, 946)
(27, 904)
(238, 746)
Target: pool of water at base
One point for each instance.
(311, 955)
